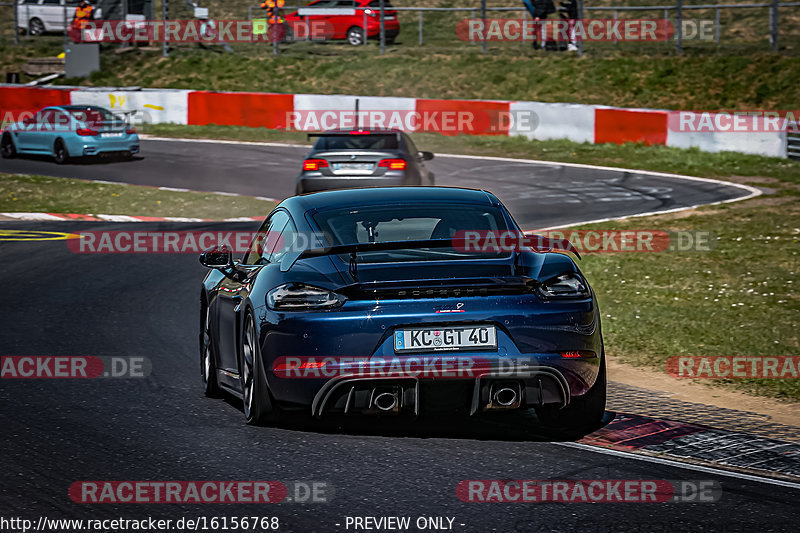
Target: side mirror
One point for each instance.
(217, 257)
(426, 156)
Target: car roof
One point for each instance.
(82, 107)
(371, 196)
(376, 131)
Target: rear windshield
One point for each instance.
(408, 223)
(386, 141)
(96, 117)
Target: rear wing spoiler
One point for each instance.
(544, 245)
(353, 249)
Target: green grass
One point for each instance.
(738, 299)
(22, 193)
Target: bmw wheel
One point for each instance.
(60, 153)
(35, 27)
(208, 367)
(258, 407)
(7, 149)
(355, 36)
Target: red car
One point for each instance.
(345, 20)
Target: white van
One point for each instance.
(39, 16)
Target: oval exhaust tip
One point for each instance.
(385, 401)
(505, 396)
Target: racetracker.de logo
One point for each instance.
(177, 492)
(591, 30)
(73, 367)
(445, 121)
(735, 121)
(588, 491)
(199, 31)
(584, 241)
(734, 367)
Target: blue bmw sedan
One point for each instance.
(70, 131)
(401, 301)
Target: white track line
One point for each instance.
(752, 191)
(678, 464)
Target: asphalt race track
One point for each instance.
(540, 195)
(56, 432)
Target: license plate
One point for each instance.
(443, 339)
(111, 134)
(352, 166)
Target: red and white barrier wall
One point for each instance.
(307, 112)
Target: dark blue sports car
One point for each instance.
(401, 301)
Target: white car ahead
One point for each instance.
(39, 16)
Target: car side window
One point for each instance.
(45, 119)
(285, 242)
(266, 239)
(52, 2)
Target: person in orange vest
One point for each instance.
(273, 8)
(83, 14)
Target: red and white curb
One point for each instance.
(55, 217)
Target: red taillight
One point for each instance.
(393, 164)
(130, 131)
(359, 132)
(305, 366)
(86, 132)
(314, 164)
(570, 355)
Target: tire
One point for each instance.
(35, 26)
(208, 366)
(355, 36)
(60, 153)
(390, 40)
(583, 415)
(258, 405)
(7, 148)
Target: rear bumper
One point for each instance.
(89, 146)
(531, 336)
(532, 386)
